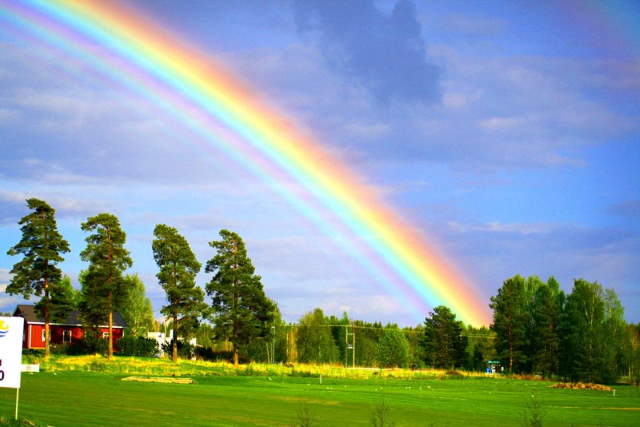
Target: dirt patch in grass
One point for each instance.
(165, 380)
(582, 386)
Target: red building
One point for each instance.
(68, 331)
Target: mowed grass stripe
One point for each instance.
(79, 398)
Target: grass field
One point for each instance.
(71, 398)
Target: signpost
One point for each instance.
(11, 354)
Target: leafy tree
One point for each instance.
(510, 322)
(614, 335)
(136, 309)
(583, 341)
(393, 349)
(633, 349)
(314, 339)
(178, 269)
(242, 311)
(445, 347)
(41, 247)
(104, 288)
(479, 347)
(272, 347)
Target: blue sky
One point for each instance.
(507, 131)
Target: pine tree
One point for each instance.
(41, 247)
(178, 269)
(104, 288)
(546, 315)
(444, 345)
(241, 309)
(510, 322)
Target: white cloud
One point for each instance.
(502, 123)
(498, 227)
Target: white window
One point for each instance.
(66, 336)
(43, 335)
(105, 335)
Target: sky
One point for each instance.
(506, 133)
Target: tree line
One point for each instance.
(536, 328)
(239, 308)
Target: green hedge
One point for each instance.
(137, 346)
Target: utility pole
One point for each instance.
(350, 346)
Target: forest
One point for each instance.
(537, 328)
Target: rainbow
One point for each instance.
(229, 117)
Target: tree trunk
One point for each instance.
(47, 339)
(235, 357)
(110, 353)
(174, 341)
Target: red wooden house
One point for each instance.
(68, 331)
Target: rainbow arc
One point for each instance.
(228, 117)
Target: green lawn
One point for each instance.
(85, 398)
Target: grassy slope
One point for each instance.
(79, 398)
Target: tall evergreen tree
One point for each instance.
(510, 322)
(104, 287)
(41, 247)
(241, 309)
(547, 307)
(444, 345)
(178, 269)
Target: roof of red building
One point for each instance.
(29, 313)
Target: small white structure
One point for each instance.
(164, 339)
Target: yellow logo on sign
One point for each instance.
(4, 328)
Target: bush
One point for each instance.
(393, 349)
(207, 353)
(185, 350)
(86, 345)
(137, 346)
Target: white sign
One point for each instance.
(10, 351)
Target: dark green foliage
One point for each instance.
(178, 269)
(241, 310)
(592, 334)
(104, 287)
(414, 337)
(315, 343)
(367, 336)
(131, 345)
(511, 323)
(91, 343)
(41, 247)
(545, 341)
(184, 349)
(271, 348)
(444, 344)
(63, 299)
(479, 347)
(393, 349)
(633, 353)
